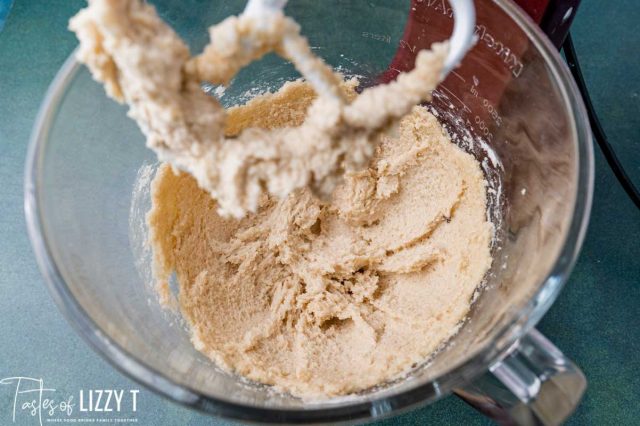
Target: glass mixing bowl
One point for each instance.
(512, 104)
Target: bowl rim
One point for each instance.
(378, 407)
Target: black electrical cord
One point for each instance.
(596, 127)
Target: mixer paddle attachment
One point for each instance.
(144, 63)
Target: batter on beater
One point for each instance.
(318, 296)
(144, 63)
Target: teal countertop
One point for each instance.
(595, 320)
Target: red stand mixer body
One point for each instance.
(553, 16)
(432, 20)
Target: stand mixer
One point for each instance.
(513, 95)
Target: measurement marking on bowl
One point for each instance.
(386, 38)
(406, 45)
(459, 76)
(486, 104)
(457, 98)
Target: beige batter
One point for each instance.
(144, 63)
(328, 298)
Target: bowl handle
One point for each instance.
(533, 384)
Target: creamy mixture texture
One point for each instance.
(325, 298)
(143, 62)
(368, 232)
